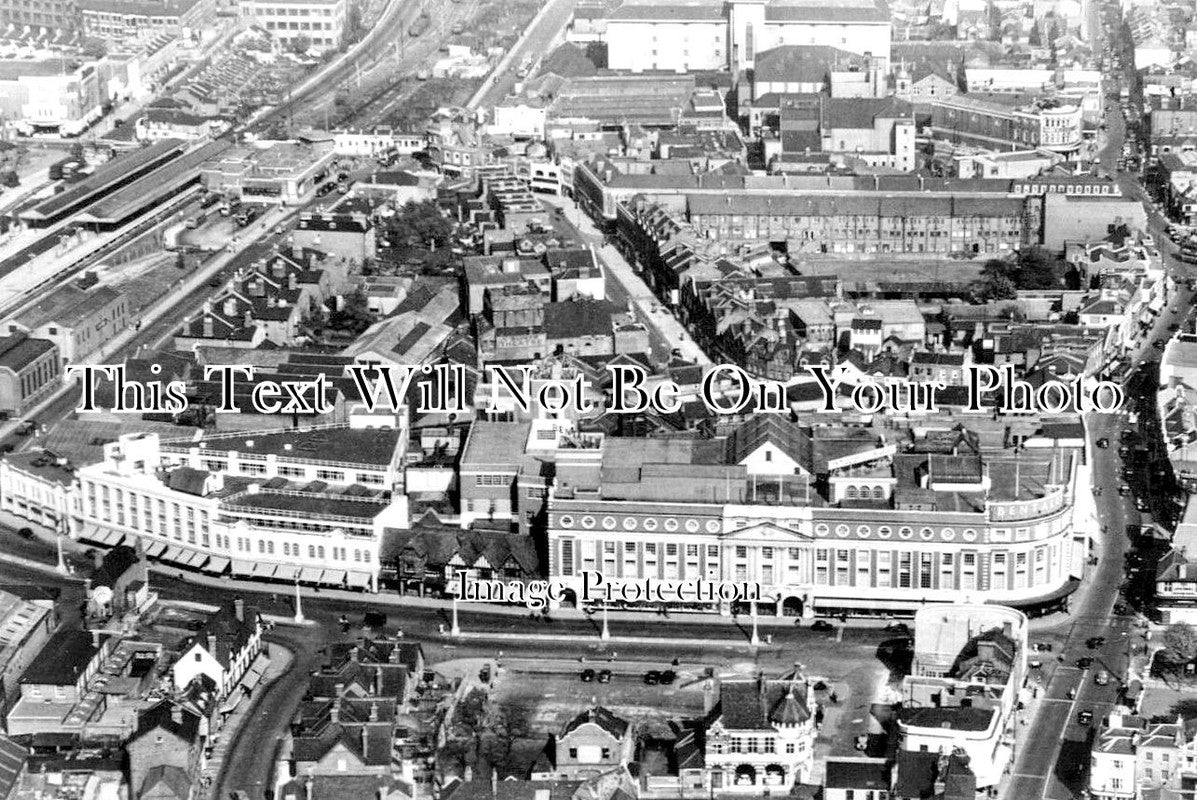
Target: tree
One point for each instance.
(1035, 270)
(420, 222)
(301, 44)
(996, 281)
(1036, 38)
(354, 313)
(1180, 643)
(354, 29)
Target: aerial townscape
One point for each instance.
(598, 399)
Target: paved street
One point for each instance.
(628, 289)
(537, 42)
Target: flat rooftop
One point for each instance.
(367, 447)
(309, 505)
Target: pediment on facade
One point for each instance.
(766, 532)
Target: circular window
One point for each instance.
(926, 534)
(969, 535)
(609, 523)
(821, 530)
(587, 522)
(692, 525)
(712, 526)
(566, 521)
(948, 534)
(842, 531)
(885, 532)
(650, 524)
(629, 523)
(905, 533)
(671, 525)
(863, 531)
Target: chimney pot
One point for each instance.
(239, 609)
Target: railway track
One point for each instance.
(72, 270)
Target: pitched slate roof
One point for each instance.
(232, 634)
(788, 437)
(164, 782)
(600, 716)
(757, 704)
(186, 727)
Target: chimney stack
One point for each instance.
(212, 644)
(494, 781)
(239, 609)
(469, 773)
(176, 714)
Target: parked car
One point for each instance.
(1084, 662)
(587, 675)
(652, 677)
(899, 628)
(668, 677)
(1085, 717)
(822, 625)
(1102, 678)
(1094, 642)
(1103, 443)
(1043, 647)
(1124, 490)
(26, 428)
(604, 676)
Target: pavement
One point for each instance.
(231, 732)
(1051, 762)
(630, 288)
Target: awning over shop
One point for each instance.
(101, 535)
(155, 549)
(359, 580)
(230, 705)
(286, 573)
(309, 575)
(217, 565)
(196, 559)
(243, 568)
(264, 570)
(172, 554)
(253, 675)
(333, 577)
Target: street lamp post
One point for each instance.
(606, 634)
(455, 630)
(299, 617)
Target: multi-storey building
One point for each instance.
(79, 322)
(714, 35)
(962, 693)
(305, 506)
(145, 19)
(845, 522)
(30, 371)
(864, 222)
(316, 24)
(62, 15)
(51, 96)
(1001, 126)
(761, 736)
